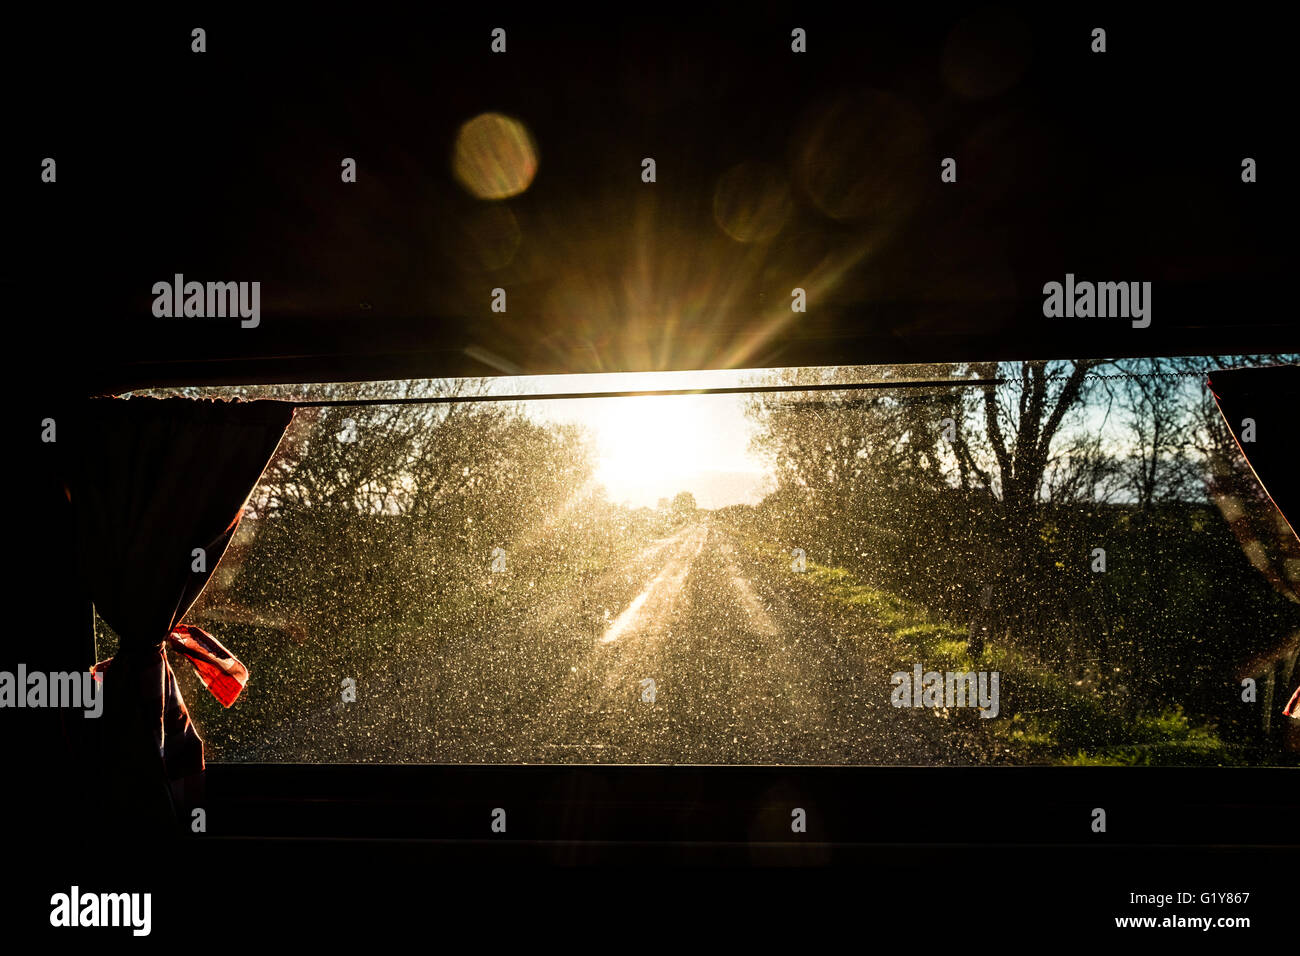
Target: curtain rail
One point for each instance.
(648, 393)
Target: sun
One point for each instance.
(648, 448)
(647, 445)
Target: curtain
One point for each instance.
(1268, 397)
(150, 481)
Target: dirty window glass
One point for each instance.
(1008, 563)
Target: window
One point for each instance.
(1009, 563)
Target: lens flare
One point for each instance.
(494, 157)
(856, 157)
(485, 238)
(752, 202)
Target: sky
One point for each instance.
(652, 447)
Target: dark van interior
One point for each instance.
(498, 449)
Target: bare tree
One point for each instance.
(1158, 464)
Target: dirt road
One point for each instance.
(747, 668)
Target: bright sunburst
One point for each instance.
(653, 447)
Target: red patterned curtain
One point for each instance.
(157, 487)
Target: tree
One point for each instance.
(683, 504)
(1159, 467)
(1022, 420)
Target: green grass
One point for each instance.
(1045, 717)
